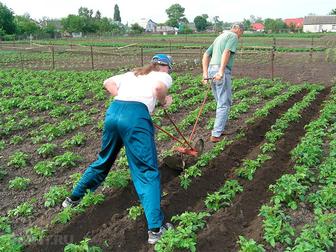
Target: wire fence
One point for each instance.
(79, 57)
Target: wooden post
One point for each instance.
(21, 59)
(142, 56)
(272, 58)
(272, 63)
(53, 57)
(92, 66)
(201, 54)
(311, 49)
(170, 46)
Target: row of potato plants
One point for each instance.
(312, 186)
(184, 237)
(196, 169)
(120, 177)
(278, 129)
(57, 193)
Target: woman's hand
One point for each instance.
(168, 101)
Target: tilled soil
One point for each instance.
(225, 226)
(108, 224)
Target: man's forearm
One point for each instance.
(205, 63)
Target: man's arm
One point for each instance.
(224, 62)
(205, 64)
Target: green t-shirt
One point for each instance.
(227, 40)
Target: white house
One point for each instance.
(319, 24)
(165, 29)
(148, 24)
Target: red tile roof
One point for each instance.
(257, 26)
(297, 21)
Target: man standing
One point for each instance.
(217, 63)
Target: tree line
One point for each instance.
(88, 21)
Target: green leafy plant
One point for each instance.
(276, 225)
(9, 243)
(223, 196)
(16, 140)
(184, 235)
(18, 159)
(2, 145)
(35, 233)
(90, 198)
(74, 178)
(25, 209)
(55, 195)
(249, 245)
(45, 168)
(83, 246)
(64, 216)
(77, 140)
(46, 150)
(5, 225)
(117, 179)
(134, 212)
(67, 160)
(19, 183)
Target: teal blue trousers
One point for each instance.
(129, 124)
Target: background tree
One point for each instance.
(247, 24)
(25, 25)
(175, 15)
(98, 15)
(274, 25)
(218, 24)
(116, 16)
(89, 23)
(333, 12)
(48, 27)
(73, 23)
(7, 24)
(200, 23)
(136, 29)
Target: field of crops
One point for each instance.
(269, 185)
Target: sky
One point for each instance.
(133, 11)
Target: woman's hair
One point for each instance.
(146, 69)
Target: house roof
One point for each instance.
(297, 21)
(317, 20)
(257, 26)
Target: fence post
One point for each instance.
(91, 49)
(170, 46)
(53, 57)
(311, 49)
(21, 59)
(142, 56)
(272, 58)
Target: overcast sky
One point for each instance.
(132, 11)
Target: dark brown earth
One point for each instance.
(108, 224)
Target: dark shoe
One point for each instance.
(153, 237)
(215, 139)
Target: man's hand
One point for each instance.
(205, 79)
(218, 76)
